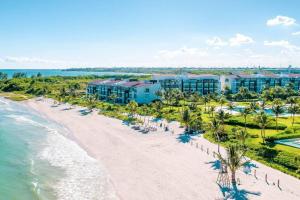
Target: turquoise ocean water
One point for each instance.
(57, 72)
(38, 161)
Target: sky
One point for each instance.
(149, 33)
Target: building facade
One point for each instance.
(258, 82)
(124, 91)
(201, 84)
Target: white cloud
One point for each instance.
(240, 39)
(296, 33)
(182, 52)
(30, 60)
(282, 43)
(216, 41)
(281, 20)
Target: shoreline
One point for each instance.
(157, 165)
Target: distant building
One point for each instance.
(124, 91)
(202, 84)
(257, 82)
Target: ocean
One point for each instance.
(58, 72)
(39, 162)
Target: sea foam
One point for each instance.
(85, 178)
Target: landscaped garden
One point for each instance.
(258, 122)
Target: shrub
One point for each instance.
(250, 124)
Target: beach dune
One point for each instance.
(161, 165)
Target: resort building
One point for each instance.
(257, 82)
(202, 84)
(124, 91)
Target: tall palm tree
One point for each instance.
(222, 101)
(206, 100)
(245, 113)
(262, 120)
(234, 160)
(186, 118)
(215, 127)
(291, 100)
(293, 109)
(277, 109)
(212, 110)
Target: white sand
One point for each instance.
(157, 165)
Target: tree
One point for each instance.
(215, 127)
(212, 110)
(262, 105)
(39, 75)
(186, 117)
(19, 75)
(206, 100)
(158, 106)
(245, 113)
(253, 106)
(293, 109)
(277, 109)
(231, 106)
(222, 116)
(196, 123)
(92, 99)
(132, 108)
(262, 120)
(3, 76)
(234, 160)
(113, 97)
(222, 101)
(243, 93)
(242, 136)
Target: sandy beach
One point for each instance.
(161, 165)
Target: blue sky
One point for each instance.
(106, 33)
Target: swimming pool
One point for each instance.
(290, 142)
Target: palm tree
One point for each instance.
(196, 121)
(206, 100)
(158, 106)
(113, 97)
(293, 109)
(291, 100)
(263, 121)
(215, 127)
(222, 101)
(245, 113)
(132, 107)
(222, 116)
(234, 160)
(242, 135)
(231, 106)
(253, 106)
(277, 109)
(212, 110)
(91, 102)
(262, 104)
(186, 118)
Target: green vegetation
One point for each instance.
(253, 130)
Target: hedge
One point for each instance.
(237, 122)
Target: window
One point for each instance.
(147, 90)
